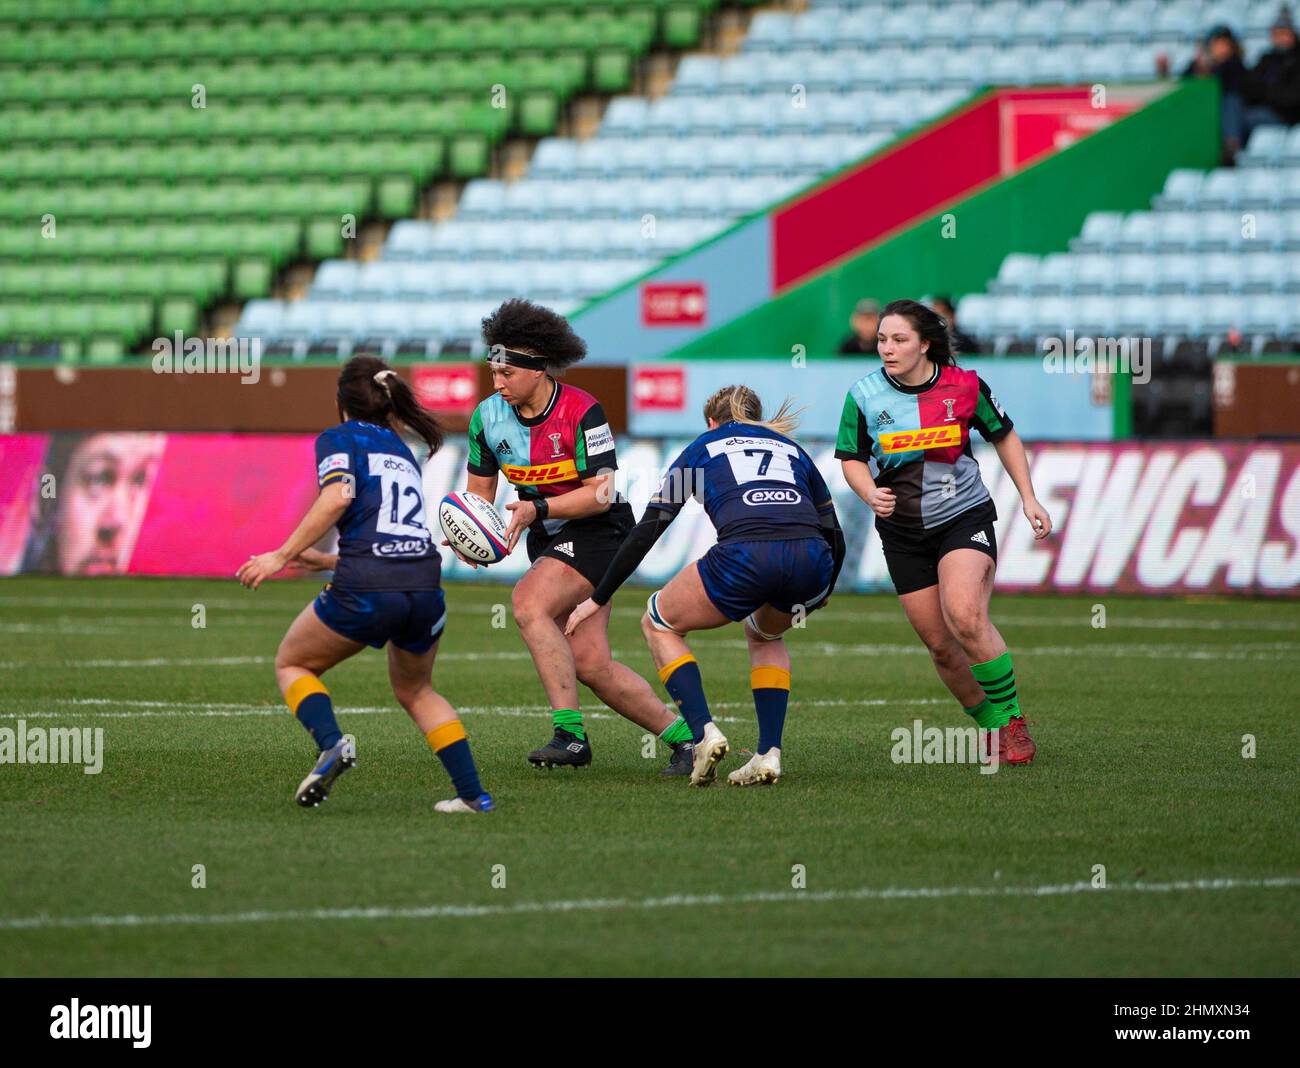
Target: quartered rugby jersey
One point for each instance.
(755, 484)
(916, 440)
(384, 540)
(545, 455)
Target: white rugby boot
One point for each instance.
(763, 769)
(709, 750)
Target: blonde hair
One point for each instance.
(740, 404)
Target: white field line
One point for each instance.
(45, 921)
(806, 647)
(188, 709)
(182, 606)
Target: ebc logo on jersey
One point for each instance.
(928, 437)
(771, 496)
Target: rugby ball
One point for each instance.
(473, 527)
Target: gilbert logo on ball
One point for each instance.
(473, 527)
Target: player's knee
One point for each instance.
(967, 624)
(591, 670)
(525, 610)
(408, 694)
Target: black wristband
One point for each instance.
(543, 507)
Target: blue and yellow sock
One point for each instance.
(310, 702)
(771, 686)
(681, 678)
(449, 744)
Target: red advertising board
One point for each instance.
(1037, 123)
(658, 389)
(447, 388)
(673, 304)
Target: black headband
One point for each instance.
(499, 355)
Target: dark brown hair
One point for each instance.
(361, 396)
(927, 322)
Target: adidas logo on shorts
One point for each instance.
(565, 547)
(980, 537)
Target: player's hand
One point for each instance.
(882, 502)
(1038, 518)
(580, 615)
(522, 515)
(257, 569)
(456, 553)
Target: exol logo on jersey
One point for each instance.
(771, 496)
(405, 547)
(928, 437)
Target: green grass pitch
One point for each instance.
(923, 869)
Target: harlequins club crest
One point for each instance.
(884, 419)
(948, 402)
(555, 444)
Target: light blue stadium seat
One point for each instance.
(410, 238)
(769, 30)
(1181, 190)
(1221, 189)
(1219, 274)
(697, 74)
(1182, 314)
(1094, 273)
(261, 318)
(973, 311)
(1018, 273)
(1056, 273)
(1177, 273)
(1135, 273)
(1093, 316)
(1135, 315)
(335, 279)
(625, 116)
(1176, 231)
(1140, 232)
(1267, 146)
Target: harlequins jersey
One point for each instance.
(916, 440)
(548, 454)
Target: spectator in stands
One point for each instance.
(1220, 56)
(961, 342)
(866, 323)
(1272, 88)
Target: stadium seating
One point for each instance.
(726, 140)
(329, 107)
(134, 134)
(1218, 254)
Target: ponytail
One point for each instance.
(370, 390)
(740, 404)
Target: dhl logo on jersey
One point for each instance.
(928, 437)
(541, 474)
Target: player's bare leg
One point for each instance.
(965, 587)
(307, 651)
(679, 608)
(411, 676)
(626, 692)
(925, 613)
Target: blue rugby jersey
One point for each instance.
(755, 485)
(384, 540)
